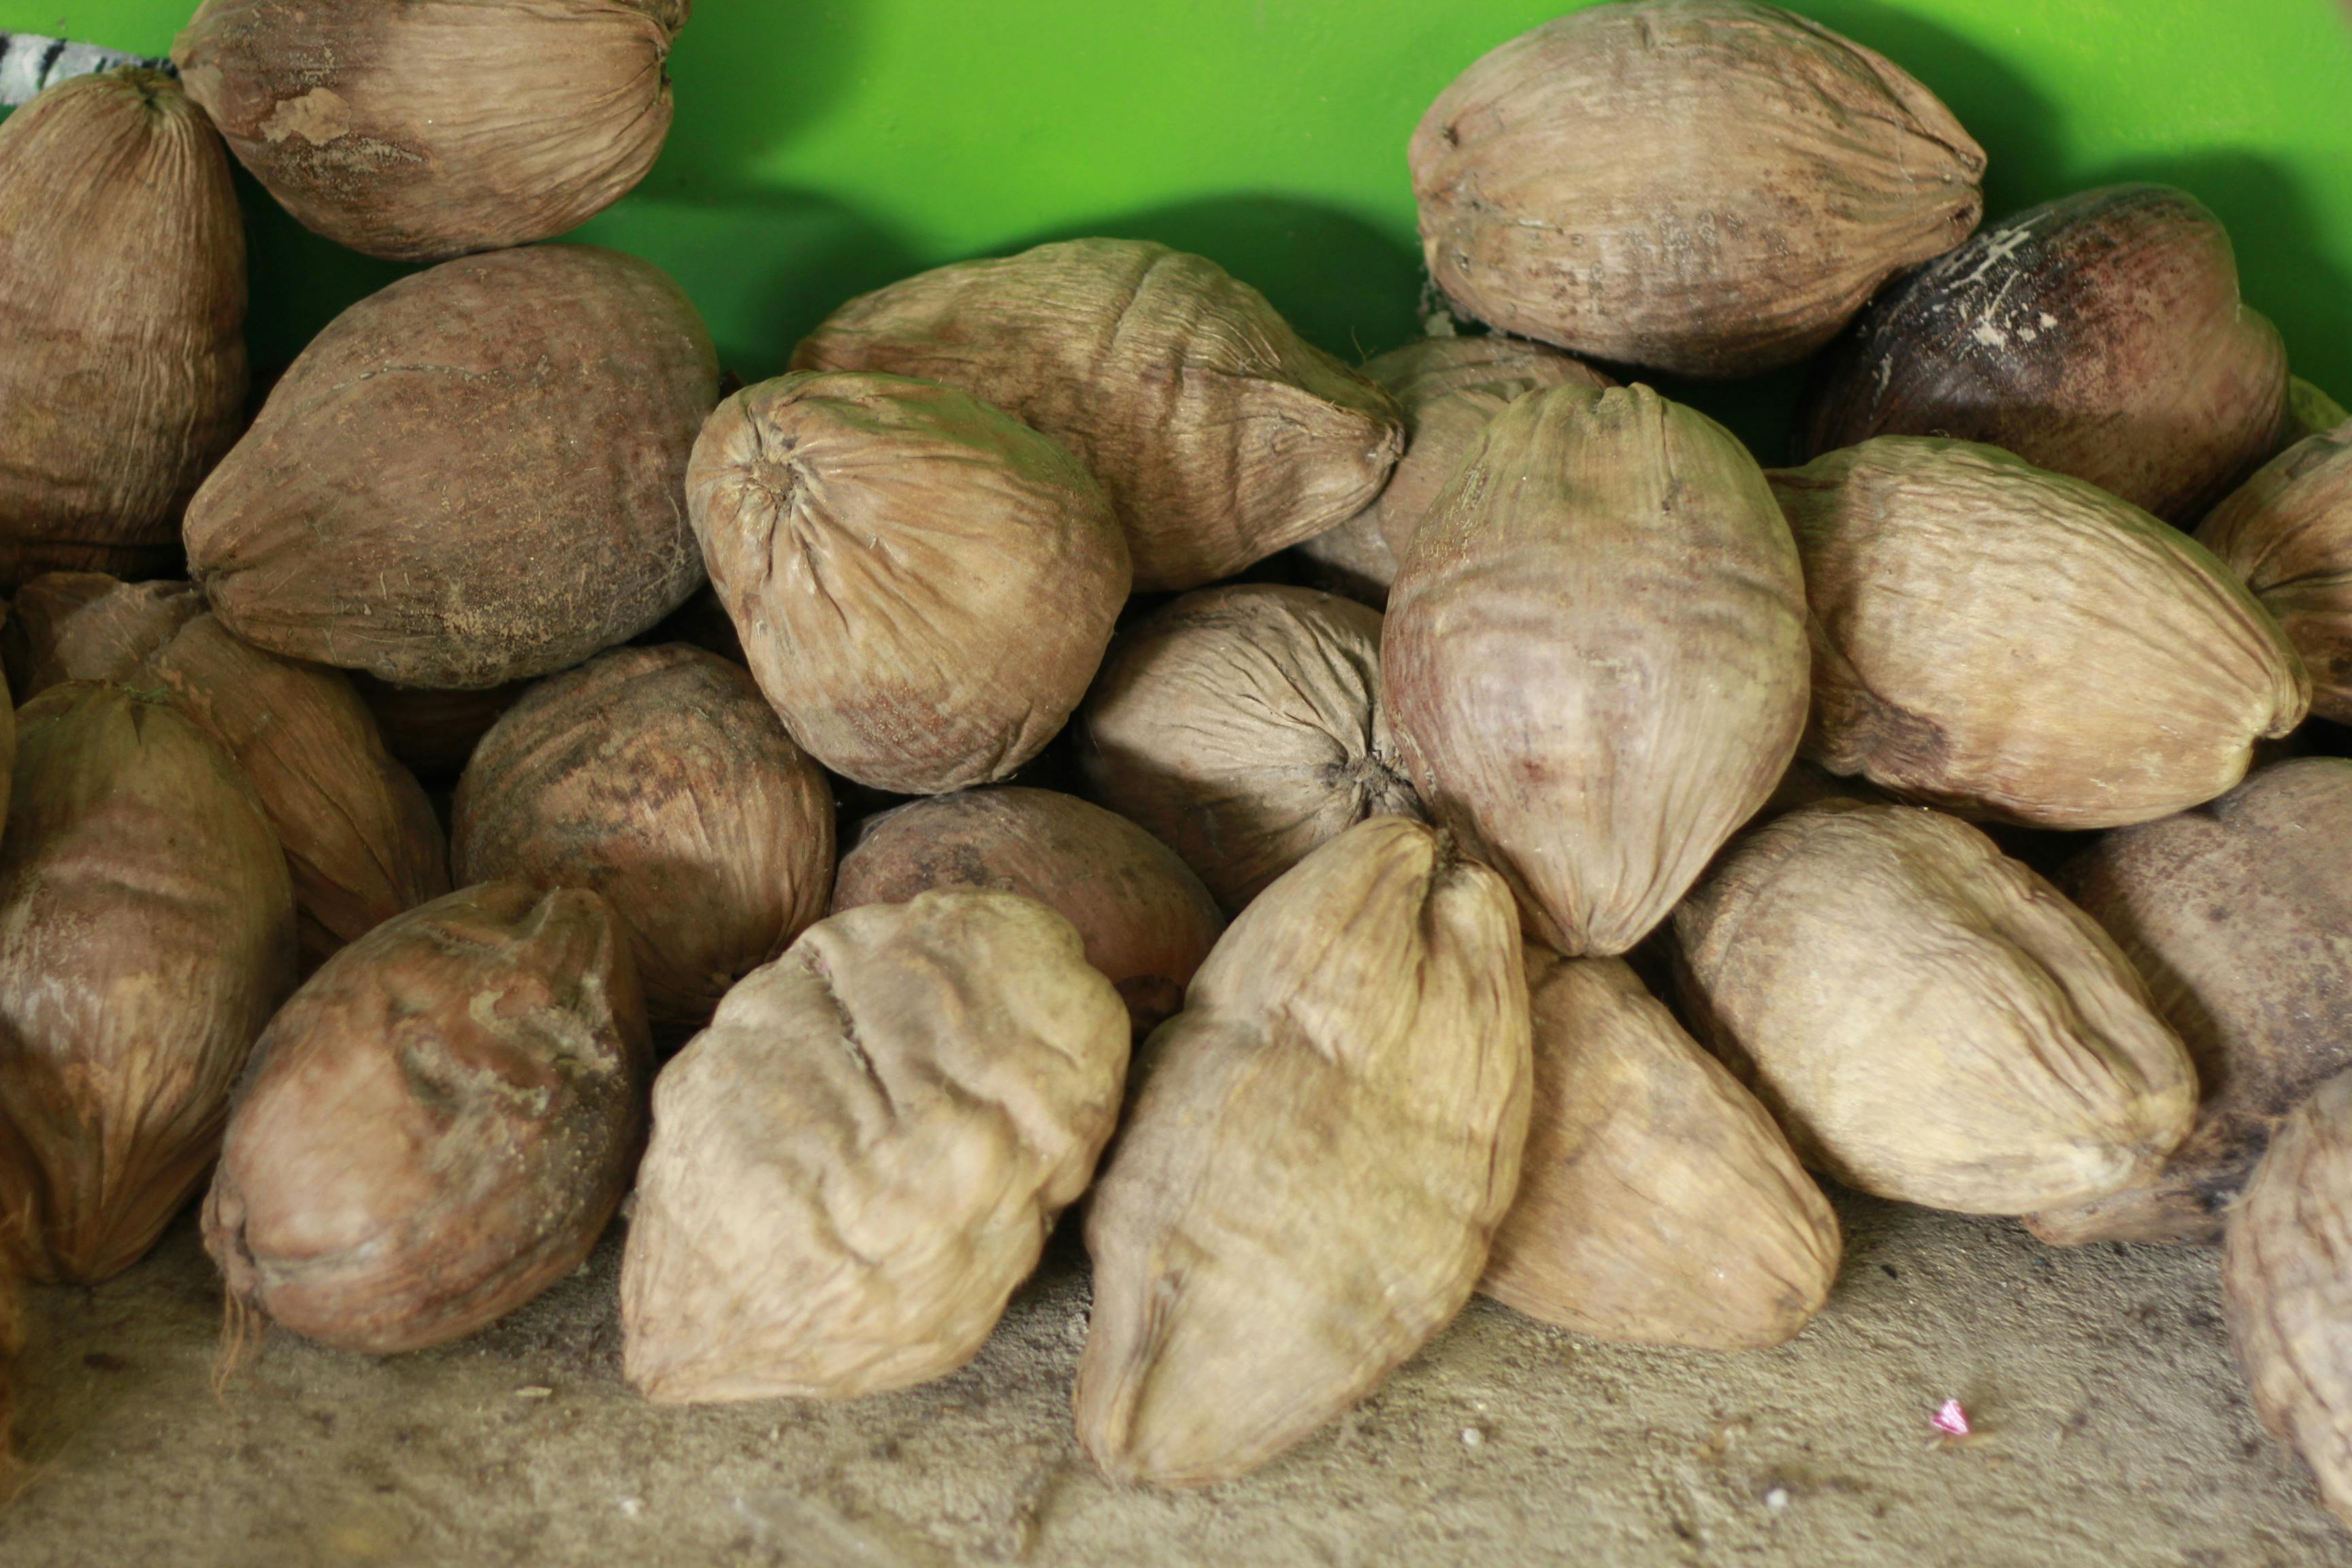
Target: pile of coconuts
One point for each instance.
(1364, 834)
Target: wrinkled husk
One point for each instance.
(2309, 412)
(428, 128)
(123, 370)
(438, 1125)
(2287, 1287)
(1703, 186)
(859, 1160)
(146, 935)
(924, 584)
(470, 477)
(1450, 390)
(2287, 532)
(1594, 659)
(1928, 1019)
(2100, 335)
(2239, 917)
(2006, 641)
(1242, 728)
(88, 625)
(433, 734)
(1145, 918)
(1221, 435)
(1326, 1139)
(361, 838)
(660, 778)
(1658, 1202)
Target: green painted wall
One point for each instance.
(823, 147)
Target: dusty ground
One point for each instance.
(2114, 1432)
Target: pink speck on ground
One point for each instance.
(1950, 1419)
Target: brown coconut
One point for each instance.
(924, 584)
(2239, 917)
(2022, 645)
(1304, 1192)
(88, 626)
(1930, 1020)
(146, 935)
(422, 131)
(1145, 918)
(660, 778)
(1221, 435)
(470, 477)
(1709, 187)
(1658, 1202)
(2099, 335)
(2287, 532)
(1594, 660)
(855, 1166)
(438, 1125)
(123, 372)
(1242, 728)
(2287, 1287)
(360, 835)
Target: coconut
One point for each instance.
(470, 477)
(421, 132)
(122, 369)
(88, 626)
(146, 935)
(1221, 434)
(660, 778)
(1146, 919)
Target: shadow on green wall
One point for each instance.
(1349, 286)
(761, 71)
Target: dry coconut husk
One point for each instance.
(1221, 434)
(437, 1125)
(1145, 918)
(146, 935)
(660, 778)
(858, 1160)
(2286, 1285)
(361, 838)
(2099, 335)
(1972, 647)
(1326, 1138)
(434, 734)
(414, 500)
(88, 626)
(419, 131)
(1242, 728)
(1594, 660)
(122, 371)
(2309, 412)
(2287, 532)
(1704, 186)
(1658, 1202)
(923, 583)
(2238, 914)
(1929, 1020)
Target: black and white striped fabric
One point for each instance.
(29, 63)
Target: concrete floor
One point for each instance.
(2114, 1431)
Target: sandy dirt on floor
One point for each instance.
(2113, 1429)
